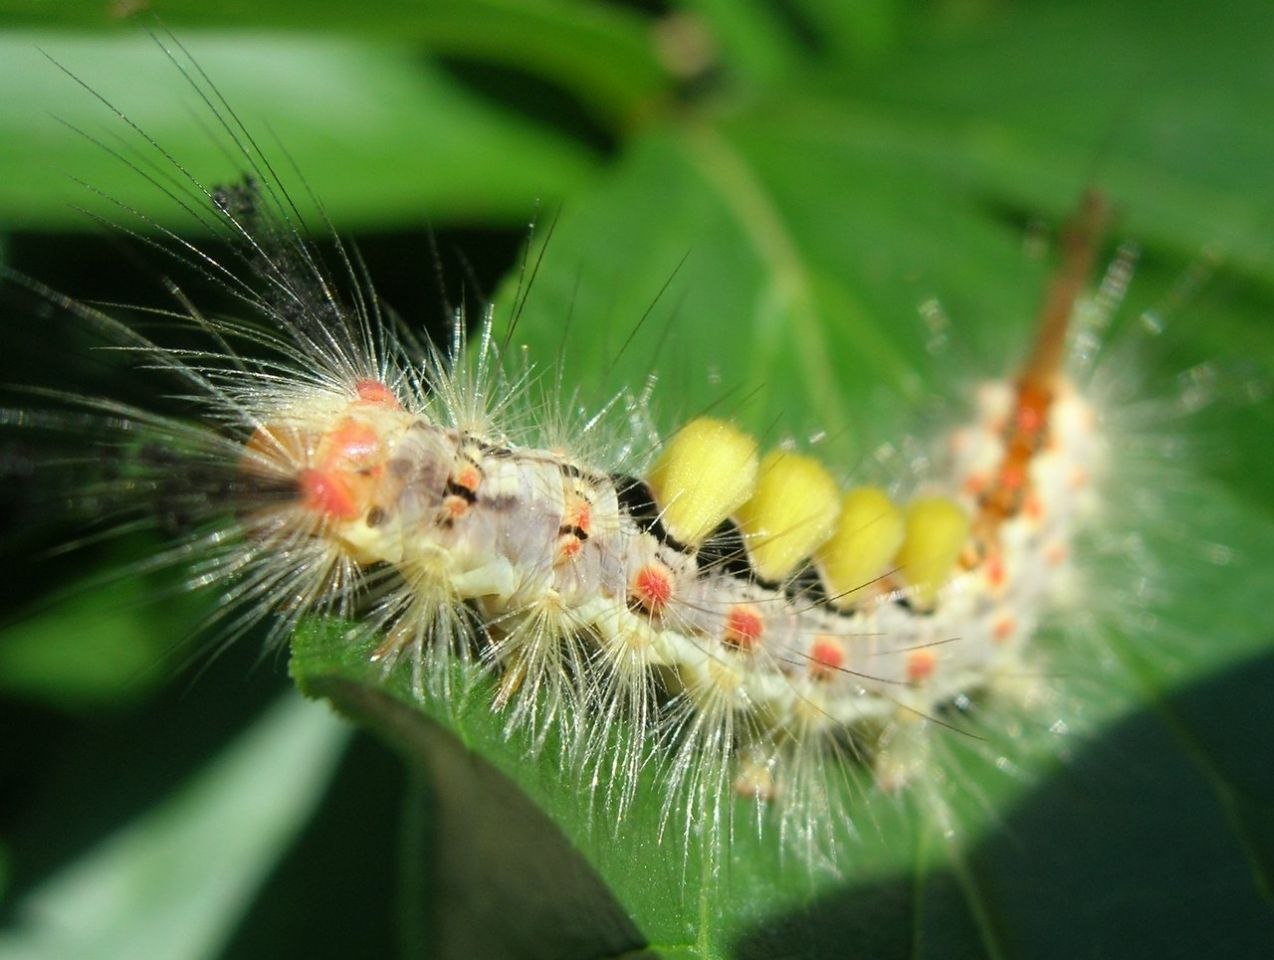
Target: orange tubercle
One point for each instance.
(651, 588)
(350, 440)
(921, 665)
(324, 492)
(373, 391)
(827, 656)
(743, 627)
(1003, 630)
(469, 477)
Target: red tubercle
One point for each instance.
(921, 665)
(651, 588)
(324, 492)
(569, 547)
(1030, 416)
(994, 566)
(469, 477)
(574, 530)
(1012, 476)
(375, 392)
(455, 507)
(827, 657)
(1004, 629)
(744, 627)
(344, 471)
(350, 440)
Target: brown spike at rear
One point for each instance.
(1080, 240)
(1037, 384)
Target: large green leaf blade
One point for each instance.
(810, 224)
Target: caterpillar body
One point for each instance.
(746, 623)
(775, 608)
(765, 627)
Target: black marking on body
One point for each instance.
(724, 552)
(454, 489)
(637, 501)
(905, 602)
(579, 533)
(575, 472)
(806, 588)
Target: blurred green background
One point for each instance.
(782, 185)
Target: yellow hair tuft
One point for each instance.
(792, 511)
(937, 531)
(705, 472)
(868, 534)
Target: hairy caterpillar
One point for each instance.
(298, 432)
(771, 615)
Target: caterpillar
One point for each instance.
(776, 614)
(742, 621)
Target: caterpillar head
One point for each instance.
(332, 451)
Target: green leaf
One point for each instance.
(1153, 102)
(783, 236)
(603, 52)
(173, 883)
(97, 644)
(378, 133)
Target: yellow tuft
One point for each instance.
(705, 473)
(868, 534)
(792, 511)
(937, 531)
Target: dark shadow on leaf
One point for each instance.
(333, 893)
(501, 880)
(1156, 842)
